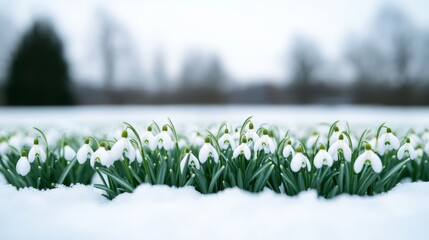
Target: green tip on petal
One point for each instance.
(289, 142)
(315, 133)
(23, 153)
(298, 149)
(124, 133)
(322, 147)
(186, 150)
(226, 130)
(65, 143)
(164, 128)
(149, 128)
(341, 137)
(251, 125)
(388, 130)
(336, 129)
(408, 140)
(86, 140)
(103, 144)
(36, 141)
(265, 131)
(368, 146)
(207, 139)
(244, 140)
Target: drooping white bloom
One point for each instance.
(387, 142)
(369, 158)
(226, 140)
(427, 148)
(288, 150)
(336, 135)
(312, 140)
(265, 143)
(36, 152)
(206, 151)
(4, 148)
(323, 158)
(425, 136)
(242, 149)
(84, 152)
(407, 150)
(23, 166)
(162, 140)
(123, 146)
(299, 161)
(139, 157)
(251, 135)
(102, 156)
(147, 138)
(414, 139)
(69, 153)
(189, 159)
(419, 153)
(339, 147)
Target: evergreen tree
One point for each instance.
(38, 74)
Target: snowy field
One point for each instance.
(160, 212)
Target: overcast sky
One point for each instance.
(250, 37)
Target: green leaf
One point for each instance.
(118, 180)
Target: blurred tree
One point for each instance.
(202, 78)
(305, 59)
(38, 74)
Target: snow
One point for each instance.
(161, 212)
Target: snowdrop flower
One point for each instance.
(123, 146)
(406, 150)
(36, 152)
(190, 159)
(265, 143)
(147, 138)
(414, 139)
(197, 139)
(299, 161)
(338, 147)
(312, 140)
(163, 140)
(84, 152)
(425, 136)
(387, 142)
(139, 157)
(4, 148)
(427, 148)
(323, 158)
(369, 158)
(251, 135)
(23, 166)
(335, 135)
(419, 153)
(288, 150)
(242, 149)
(206, 151)
(69, 153)
(102, 156)
(226, 140)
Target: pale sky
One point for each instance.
(250, 36)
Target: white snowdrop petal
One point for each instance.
(23, 166)
(376, 163)
(401, 152)
(296, 162)
(359, 163)
(69, 153)
(318, 160)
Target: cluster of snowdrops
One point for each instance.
(329, 158)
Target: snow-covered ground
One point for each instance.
(203, 114)
(160, 212)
